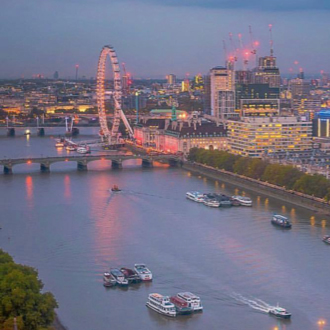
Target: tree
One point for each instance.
(21, 297)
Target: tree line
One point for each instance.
(21, 297)
(285, 176)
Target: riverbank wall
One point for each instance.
(264, 188)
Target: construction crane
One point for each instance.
(126, 80)
(271, 40)
(254, 45)
(245, 53)
(233, 57)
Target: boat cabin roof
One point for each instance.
(280, 217)
(187, 295)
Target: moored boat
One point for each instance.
(181, 306)
(279, 312)
(131, 275)
(143, 272)
(70, 148)
(211, 202)
(281, 221)
(83, 150)
(193, 301)
(59, 144)
(326, 239)
(242, 200)
(195, 196)
(119, 276)
(161, 304)
(109, 280)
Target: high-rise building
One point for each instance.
(299, 88)
(171, 79)
(55, 75)
(267, 72)
(222, 80)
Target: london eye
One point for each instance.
(111, 137)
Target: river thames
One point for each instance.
(72, 229)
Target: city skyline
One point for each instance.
(156, 38)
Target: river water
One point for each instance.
(71, 228)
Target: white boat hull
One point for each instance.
(166, 313)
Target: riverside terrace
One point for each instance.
(83, 160)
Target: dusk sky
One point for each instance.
(157, 37)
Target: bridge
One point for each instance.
(83, 160)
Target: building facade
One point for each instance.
(257, 136)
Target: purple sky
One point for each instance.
(156, 37)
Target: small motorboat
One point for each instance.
(326, 239)
(83, 150)
(280, 312)
(59, 144)
(244, 201)
(115, 188)
(211, 202)
(119, 276)
(109, 280)
(131, 275)
(281, 221)
(143, 272)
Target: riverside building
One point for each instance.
(262, 130)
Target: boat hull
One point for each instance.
(170, 314)
(285, 316)
(280, 225)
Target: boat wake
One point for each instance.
(254, 303)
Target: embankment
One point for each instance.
(264, 188)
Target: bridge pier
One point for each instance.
(8, 169)
(82, 165)
(45, 167)
(10, 131)
(173, 162)
(147, 163)
(41, 131)
(116, 164)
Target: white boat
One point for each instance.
(119, 276)
(211, 203)
(193, 301)
(244, 201)
(143, 272)
(70, 148)
(195, 196)
(83, 150)
(280, 312)
(161, 304)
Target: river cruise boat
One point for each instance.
(211, 202)
(119, 276)
(326, 239)
(161, 304)
(280, 312)
(281, 221)
(244, 201)
(131, 275)
(83, 150)
(193, 301)
(109, 280)
(195, 196)
(143, 272)
(182, 307)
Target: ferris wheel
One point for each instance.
(110, 136)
